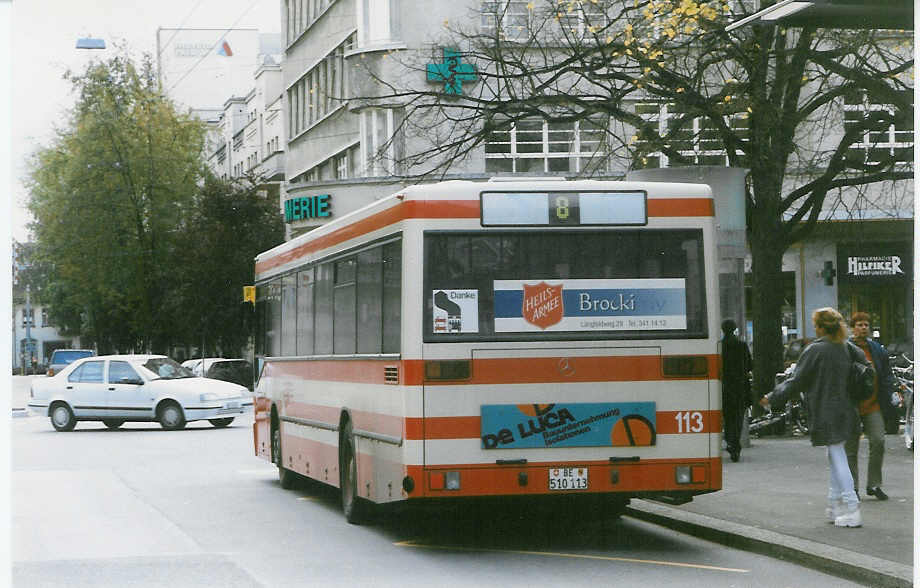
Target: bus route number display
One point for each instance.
(563, 208)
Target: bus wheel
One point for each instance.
(352, 504)
(285, 476)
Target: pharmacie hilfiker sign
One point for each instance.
(875, 265)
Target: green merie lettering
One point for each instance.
(304, 207)
(322, 205)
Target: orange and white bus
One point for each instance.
(526, 337)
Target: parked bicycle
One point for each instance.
(904, 376)
(792, 418)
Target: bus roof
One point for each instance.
(468, 192)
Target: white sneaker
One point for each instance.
(852, 518)
(834, 509)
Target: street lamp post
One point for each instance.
(28, 321)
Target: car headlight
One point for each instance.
(208, 396)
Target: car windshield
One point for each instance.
(238, 372)
(66, 357)
(167, 369)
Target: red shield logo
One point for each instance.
(542, 304)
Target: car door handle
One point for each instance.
(70, 387)
(111, 387)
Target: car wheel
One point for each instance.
(62, 418)
(352, 505)
(113, 423)
(286, 477)
(171, 417)
(221, 423)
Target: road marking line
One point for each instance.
(574, 556)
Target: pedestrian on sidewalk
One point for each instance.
(736, 394)
(821, 372)
(873, 410)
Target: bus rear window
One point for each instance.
(538, 285)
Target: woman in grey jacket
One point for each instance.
(821, 372)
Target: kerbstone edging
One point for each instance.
(853, 566)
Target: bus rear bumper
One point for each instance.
(679, 478)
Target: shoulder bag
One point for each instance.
(861, 377)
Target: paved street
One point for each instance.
(146, 507)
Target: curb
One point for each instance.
(857, 567)
(19, 413)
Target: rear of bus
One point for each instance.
(569, 343)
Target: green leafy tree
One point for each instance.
(769, 99)
(108, 197)
(229, 223)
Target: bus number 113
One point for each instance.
(689, 422)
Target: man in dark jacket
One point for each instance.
(872, 411)
(736, 364)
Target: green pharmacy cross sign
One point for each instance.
(452, 73)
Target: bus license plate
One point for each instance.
(568, 478)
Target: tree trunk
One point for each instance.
(767, 299)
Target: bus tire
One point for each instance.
(353, 505)
(286, 477)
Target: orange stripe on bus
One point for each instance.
(536, 370)
(666, 207)
(657, 207)
(392, 215)
(469, 427)
(511, 370)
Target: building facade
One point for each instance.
(33, 322)
(343, 146)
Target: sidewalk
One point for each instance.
(773, 500)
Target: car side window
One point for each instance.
(75, 375)
(119, 370)
(90, 371)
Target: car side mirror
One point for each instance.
(137, 381)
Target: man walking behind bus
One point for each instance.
(736, 397)
(872, 409)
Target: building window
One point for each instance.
(46, 318)
(696, 138)
(541, 146)
(341, 165)
(320, 91)
(514, 19)
(377, 21)
(300, 14)
(875, 148)
(381, 146)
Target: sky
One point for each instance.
(44, 35)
